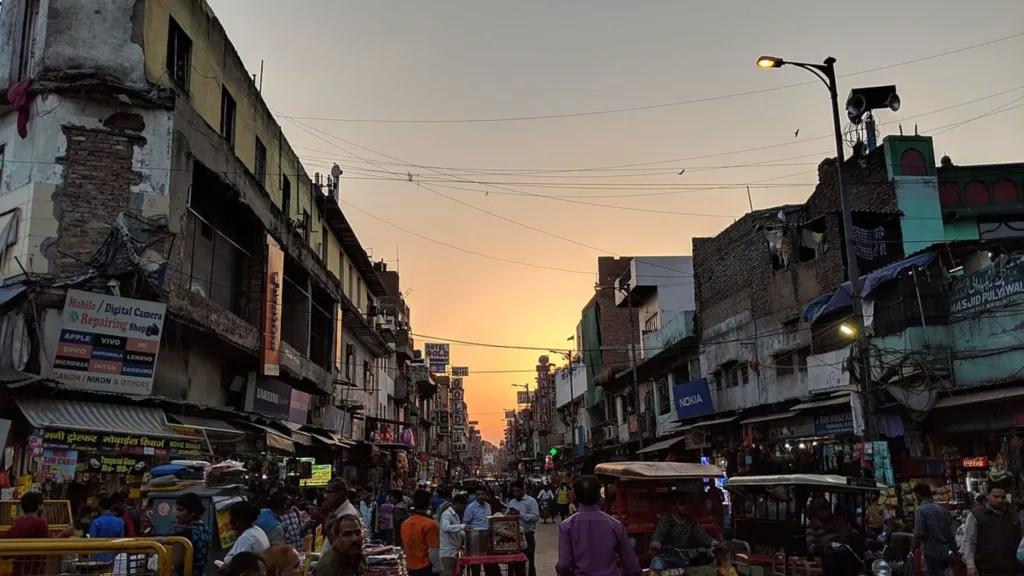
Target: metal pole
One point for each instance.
(632, 362)
(572, 408)
(863, 347)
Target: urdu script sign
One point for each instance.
(1000, 284)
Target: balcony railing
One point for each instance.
(678, 328)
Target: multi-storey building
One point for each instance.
(141, 162)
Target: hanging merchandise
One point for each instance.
(883, 463)
(407, 437)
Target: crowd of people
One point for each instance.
(430, 527)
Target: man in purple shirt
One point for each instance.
(590, 542)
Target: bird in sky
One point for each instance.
(681, 172)
(797, 133)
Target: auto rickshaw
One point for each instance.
(638, 494)
(772, 513)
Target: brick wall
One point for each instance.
(614, 322)
(97, 184)
(733, 270)
(867, 182)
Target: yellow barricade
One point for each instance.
(118, 556)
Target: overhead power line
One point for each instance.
(650, 106)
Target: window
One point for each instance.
(227, 116)
(260, 163)
(359, 291)
(28, 39)
(322, 252)
(653, 323)
(351, 282)
(286, 196)
(305, 225)
(350, 361)
(790, 363)
(735, 374)
(179, 55)
(664, 400)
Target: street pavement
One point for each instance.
(547, 548)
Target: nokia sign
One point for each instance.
(693, 399)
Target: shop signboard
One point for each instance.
(110, 443)
(693, 399)
(298, 408)
(457, 383)
(461, 371)
(270, 352)
(321, 475)
(108, 344)
(59, 465)
(510, 414)
(436, 353)
(791, 428)
(268, 397)
(442, 420)
(975, 463)
(115, 464)
(839, 424)
(996, 285)
(524, 397)
(458, 394)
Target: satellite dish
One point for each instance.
(336, 171)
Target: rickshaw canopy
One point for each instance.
(658, 470)
(830, 482)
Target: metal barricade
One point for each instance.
(88, 556)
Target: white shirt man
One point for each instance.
(545, 495)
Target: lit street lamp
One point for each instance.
(826, 72)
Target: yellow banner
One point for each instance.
(224, 529)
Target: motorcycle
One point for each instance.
(691, 562)
(545, 510)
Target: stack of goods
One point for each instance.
(177, 475)
(951, 464)
(909, 504)
(385, 561)
(891, 502)
(226, 473)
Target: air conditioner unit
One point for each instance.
(697, 437)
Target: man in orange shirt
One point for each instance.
(421, 538)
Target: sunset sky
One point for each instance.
(332, 60)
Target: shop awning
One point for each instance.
(979, 397)
(769, 417)
(276, 439)
(663, 445)
(844, 399)
(208, 424)
(332, 440)
(94, 416)
(304, 438)
(706, 423)
(868, 283)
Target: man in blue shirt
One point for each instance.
(477, 512)
(529, 513)
(106, 525)
(475, 517)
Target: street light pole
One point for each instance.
(826, 72)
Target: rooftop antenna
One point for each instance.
(261, 76)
